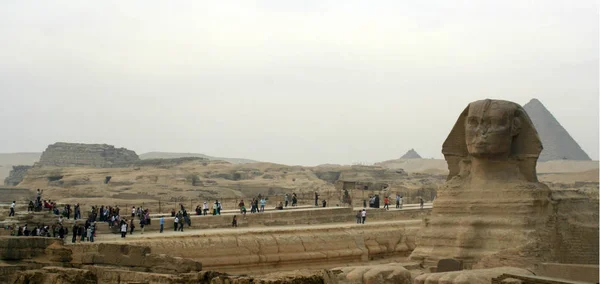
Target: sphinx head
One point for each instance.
(490, 128)
(493, 130)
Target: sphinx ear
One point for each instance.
(516, 126)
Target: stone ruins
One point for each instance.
(411, 154)
(492, 211)
(491, 219)
(16, 175)
(62, 154)
(558, 144)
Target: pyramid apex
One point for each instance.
(411, 154)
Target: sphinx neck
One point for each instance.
(485, 170)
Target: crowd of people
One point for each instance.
(116, 220)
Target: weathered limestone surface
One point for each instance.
(492, 211)
(13, 248)
(234, 250)
(391, 273)
(125, 255)
(62, 154)
(289, 217)
(477, 276)
(56, 275)
(16, 175)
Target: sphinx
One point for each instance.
(491, 211)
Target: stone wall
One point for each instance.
(87, 155)
(235, 250)
(16, 175)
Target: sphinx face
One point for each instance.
(489, 129)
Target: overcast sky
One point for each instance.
(295, 82)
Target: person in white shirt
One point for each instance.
(364, 215)
(175, 223)
(123, 229)
(205, 208)
(400, 202)
(12, 209)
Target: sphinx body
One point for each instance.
(492, 211)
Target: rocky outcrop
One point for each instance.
(87, 155)
(302, 246)
(477, 276)
(136, 257)
(16, 175)
(14, 248)
(391, 273)
(56, 275)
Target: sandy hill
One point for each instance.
(169, 155)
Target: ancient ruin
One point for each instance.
(492, 211)
(491, 218)
(62, 154)
(411, 154)
(558, 143)
(16, 175)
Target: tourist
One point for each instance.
(358, 217)
(172, 212)
(75, 230)
(234, 222)
(124, 229)
(397, 201)
(386, 203)
(400, 202)
(181, 225)
(240, 205)
(131, 227)
(215, 208)
(39, 196)
(162, 223)
(263, 202)
(279, 206)
(30, 207)
(198, 210)
(90, 234)
(142, 224)
(175, 223)
(324, 203)
(187, 220)
(205, 208)
(132, 212)
(363, 215)
(60, 220)
(61, 233)
(82, 232)
(286, 198)
(316, 199)
(421, 201)
(77, 214)
(12, 209)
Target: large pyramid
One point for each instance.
(411, 154)
(558, 144)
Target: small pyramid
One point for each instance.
(411, 154)
(557, 143)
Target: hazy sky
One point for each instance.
(295, 82)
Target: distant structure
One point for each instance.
(557, 143)
(16, 175)
(62, 154)
(411, 154)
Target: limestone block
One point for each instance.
(476, 276)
